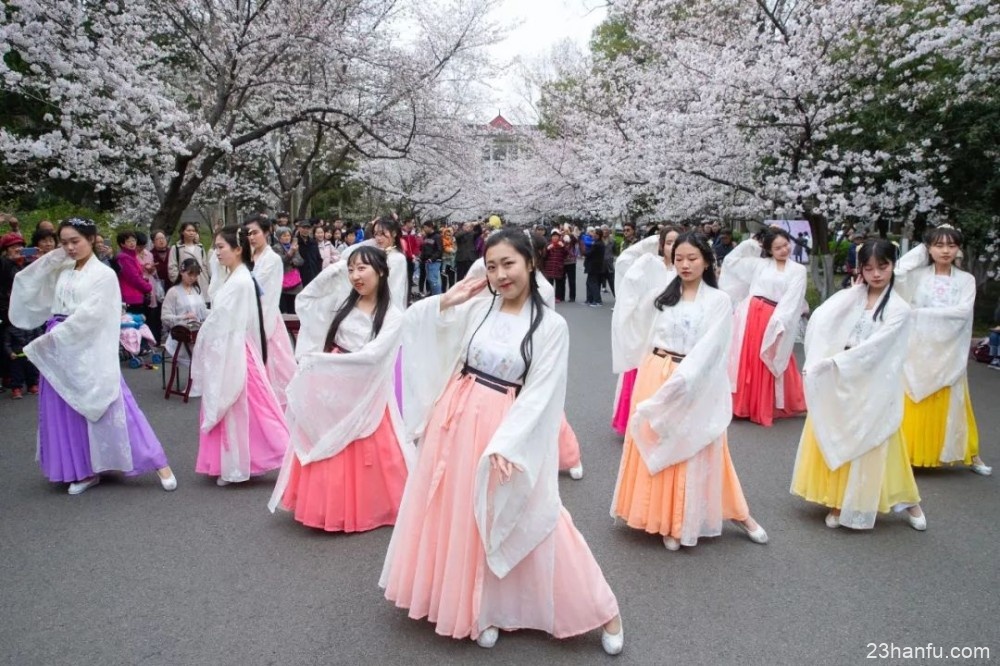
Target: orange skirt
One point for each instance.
(358, 489)
(754, 397)
(655, 502)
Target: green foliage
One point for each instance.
(839, 250)
(56, 212)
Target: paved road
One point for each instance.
(128, 574)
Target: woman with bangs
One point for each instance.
(482, 541)
(346, 467)
(852, 457)
(939, 425)
(769, 290)
(242, 430)
(647, 264)
(676, 478)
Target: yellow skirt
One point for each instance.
(815, 482)
(924, 428)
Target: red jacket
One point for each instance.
(133, 283)
(411, 244)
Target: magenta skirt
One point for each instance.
(620, 420)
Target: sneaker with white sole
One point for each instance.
(576, 473)
(981, 468)
(671, 543)
(221, 482)
(832, 520)
(78, 487)
(757, 535)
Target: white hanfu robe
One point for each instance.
(268, 271)
(78, 358)
(853, 386)
(938, 349)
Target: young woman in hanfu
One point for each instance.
(88, 421)
(939, 425)
(676, 477)
(654, 256)
(851, 457)
(346, 467)
(243, 431)
(765, 378)
(569, 446)
(482, 541)
(268, 269)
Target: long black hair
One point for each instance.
(377, 259)
(523, 246)
(236, 237)
(771, 235)
(672, 294)
(883, 252)
(943, 232)
(191, 265)
(392, 226)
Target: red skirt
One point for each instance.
(754, 396)
(356, 490)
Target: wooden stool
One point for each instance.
(185, 338)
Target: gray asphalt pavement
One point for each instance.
(129, 574)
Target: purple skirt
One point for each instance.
(64, 443)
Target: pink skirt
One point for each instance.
(268, 431)
(620, 420)
(356, 490)
(436, 565)
(754, 397)
(569, 446)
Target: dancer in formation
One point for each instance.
(570, 460)
(653, 254)
(388, 233)
(770, 291)
(242, 432)
(268, 271)
(346, 467)
(676, 477)
(939, 425)
(851, 457)
(88, 421)
(482, 541)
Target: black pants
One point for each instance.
(560, 287)
(594, 287)
(286, 304)
(462, 267)
(22, 371)
(570, 275)
(155, 323)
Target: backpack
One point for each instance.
(981, 351)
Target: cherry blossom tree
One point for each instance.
(165, 97)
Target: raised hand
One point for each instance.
(462, 292)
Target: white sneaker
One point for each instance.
(832, 520)
(613, 643)
(671, 543)
(78, 487)
(576, 473)
(221, 482)
(982, 469)
(488, 637)
(169, 483)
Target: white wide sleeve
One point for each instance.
(171, 313)
(854, 395)
(34, 290)
(909, 269)
(739, 268)
(649, 246)
(269, 274)
(317, 305)
(433, 341)
(693, 407)
(321, 421)
(219, 366)
(779, 336)
(938, 351)
(79, 357)
(634, 313)
(513, 518)
(399, 282)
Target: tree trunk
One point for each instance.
(823, 280)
